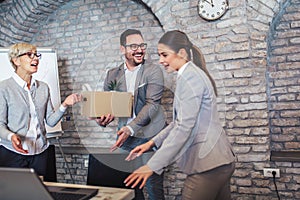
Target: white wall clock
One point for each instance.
(212, 9)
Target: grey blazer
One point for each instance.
(14, 109)
(195, 138)
(149, 88)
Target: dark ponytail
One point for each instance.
(199, 60)
(177, 40)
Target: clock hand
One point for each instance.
(212, 3)
(209, 2)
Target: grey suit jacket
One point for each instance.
(15, 112)
(195, 139)
(149, 88)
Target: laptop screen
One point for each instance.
(23, 183)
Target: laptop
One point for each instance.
(23, 183)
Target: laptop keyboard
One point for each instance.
(66, 196)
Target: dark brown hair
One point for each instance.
(127, 33)
(177, 40)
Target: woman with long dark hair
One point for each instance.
(195, 139)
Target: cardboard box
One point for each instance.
(97, 103)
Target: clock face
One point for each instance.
(212, 9)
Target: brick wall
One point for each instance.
(252, 53)
(283, 79)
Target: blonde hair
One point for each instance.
(17, 49)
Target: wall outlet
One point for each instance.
(268, 172)
(86, 163)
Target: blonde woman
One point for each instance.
(25, 106)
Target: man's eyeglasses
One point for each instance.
(134, 47)
(31, 55)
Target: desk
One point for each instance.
(105, 193)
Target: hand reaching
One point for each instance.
(123, 134)
(141, 174)
(72, 99)
(139, 150)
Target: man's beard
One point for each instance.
(133, 61)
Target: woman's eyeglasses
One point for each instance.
(134, 47)
(31, 55)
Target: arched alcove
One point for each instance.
(283, 83)
(21, 20)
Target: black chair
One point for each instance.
(103, 175)
(102, 171)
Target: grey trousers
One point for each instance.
(210, 185)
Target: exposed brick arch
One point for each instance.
(23, 19)
(161, 9)
(283, 78)
(260, 10)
